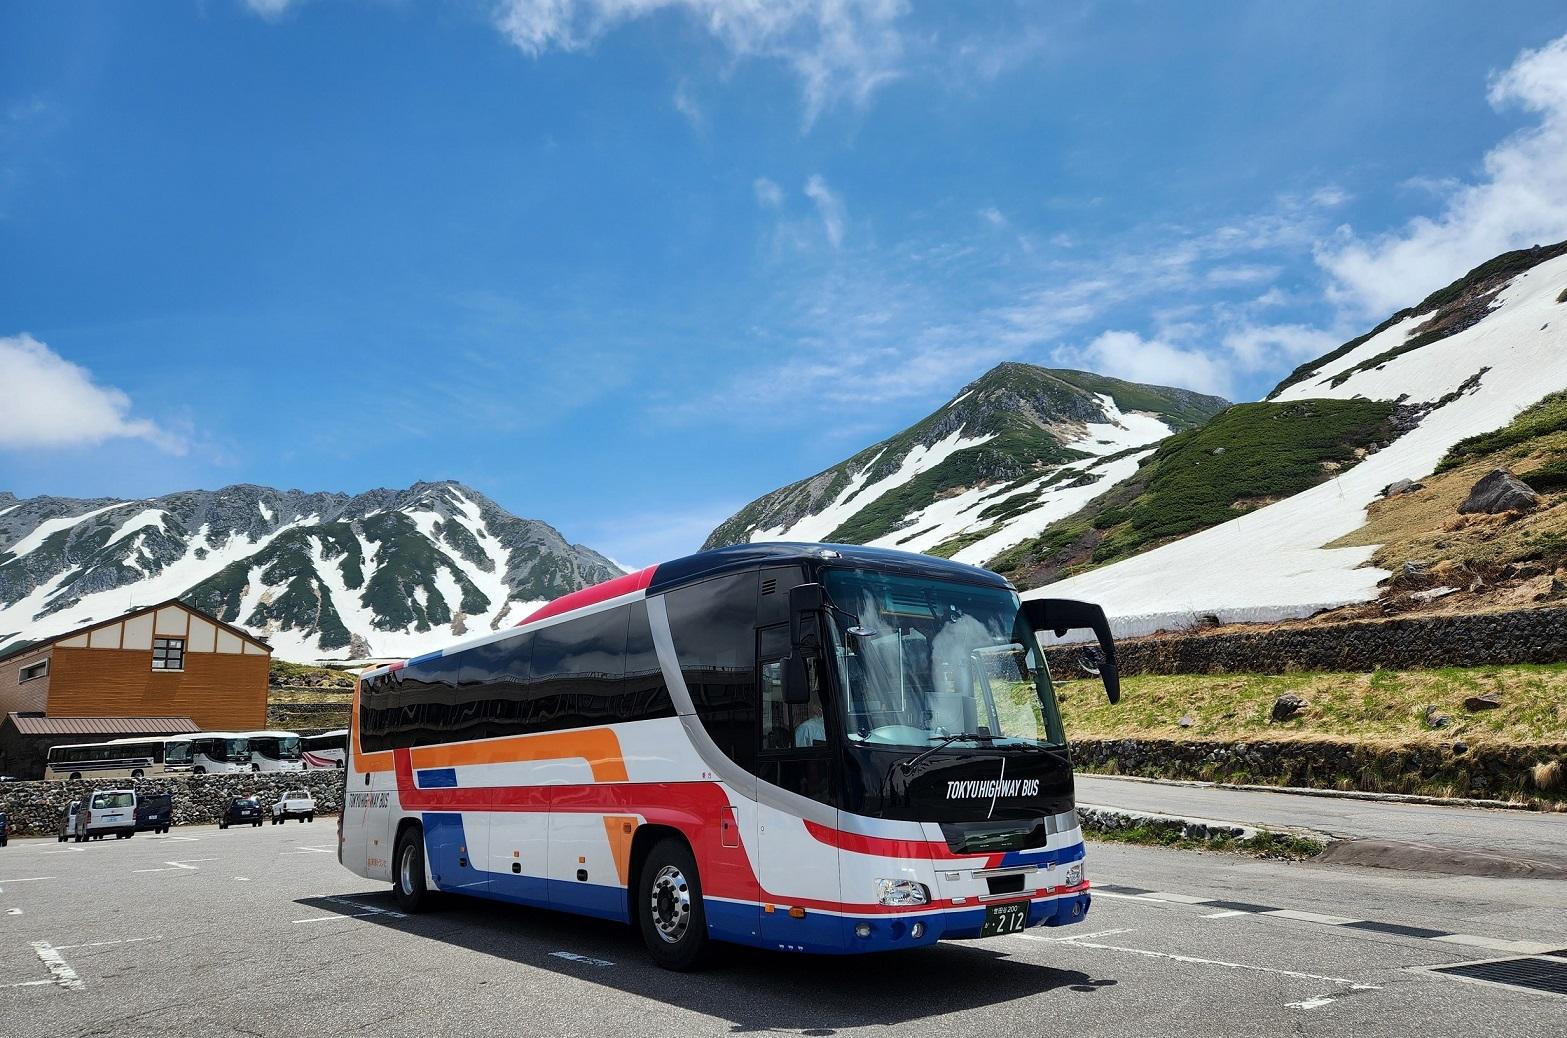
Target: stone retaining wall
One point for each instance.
(1406, 643)
(1501, 772)
(35, 807)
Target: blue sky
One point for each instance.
(624, 265)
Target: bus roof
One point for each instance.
(268, 734)
(103, 742)
(666, 576)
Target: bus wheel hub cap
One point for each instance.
(671, 904)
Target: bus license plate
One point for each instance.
(1008, 918)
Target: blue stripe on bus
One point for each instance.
(424, 659)
(437, 778)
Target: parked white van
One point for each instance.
(107, 811)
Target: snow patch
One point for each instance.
(856, 495)
(1273, 559)
(140, 521)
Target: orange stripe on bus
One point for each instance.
(600, 747)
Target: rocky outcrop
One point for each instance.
(35, 808)
(1404, 643)
(1499, 491)
(1487, 771)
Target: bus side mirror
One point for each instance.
(806, 601)
(1060, 615)
(797, 678)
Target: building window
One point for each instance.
(168, 654)
(34, 670)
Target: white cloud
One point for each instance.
(269, 9)
(828, 206)
(1521, 201)
(993, 216)
(1260, 347)
(51, 402)
(1130, 356)
(839, 49)
(686, 105)
(768, 194)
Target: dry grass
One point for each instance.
(1548, 776)
(1423, 526)
(1386, 706)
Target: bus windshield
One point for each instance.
(176, 753)
(287, 747)
(235, 751)
(923, 662)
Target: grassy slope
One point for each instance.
(1384, 706)
(1244, 457)
(1425, 527)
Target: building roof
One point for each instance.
(21, 647)
(37, 724)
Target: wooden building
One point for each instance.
(163, 661)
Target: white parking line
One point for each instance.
(1224, 915)
(1075, 937)
(585, 960)
(174, 865)
(59, 970)
(1310, 1003)
(324, 918)
(103, 944)
(24, 879)
(1351, 984)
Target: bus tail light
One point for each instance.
(901, 892)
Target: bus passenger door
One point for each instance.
(799, 872)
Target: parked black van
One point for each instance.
(154, 812)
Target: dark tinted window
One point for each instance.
(714, 629)
(598, 669)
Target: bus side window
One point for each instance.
(713, 625)
(784, 726)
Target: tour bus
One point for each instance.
(807, 747)
(274, 751)
(325, 751)
(215, 753)
(117, 758)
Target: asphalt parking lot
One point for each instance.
(261, 932)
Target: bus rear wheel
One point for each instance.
(669, 907)
(408, 879)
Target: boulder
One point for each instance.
(1489, 701)
(1186, 721)
(1499, 491)
(1435, 719)
(1287, 706)
(1402, 486)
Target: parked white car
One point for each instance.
(107, 811)
(295, 803)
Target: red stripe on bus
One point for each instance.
(614, 588)
(696, 810)
(881, 846)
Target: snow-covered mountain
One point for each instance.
(1463, 362)
(386, 573)
(1015, 450)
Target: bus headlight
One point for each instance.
(901, 892)
(1074, 875)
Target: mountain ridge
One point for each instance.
(1010, 440)
(387, 571)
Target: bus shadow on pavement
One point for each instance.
(754, 990)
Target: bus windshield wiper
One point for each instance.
(942, 743)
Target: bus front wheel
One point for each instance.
(408, 881)
(669, 907)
